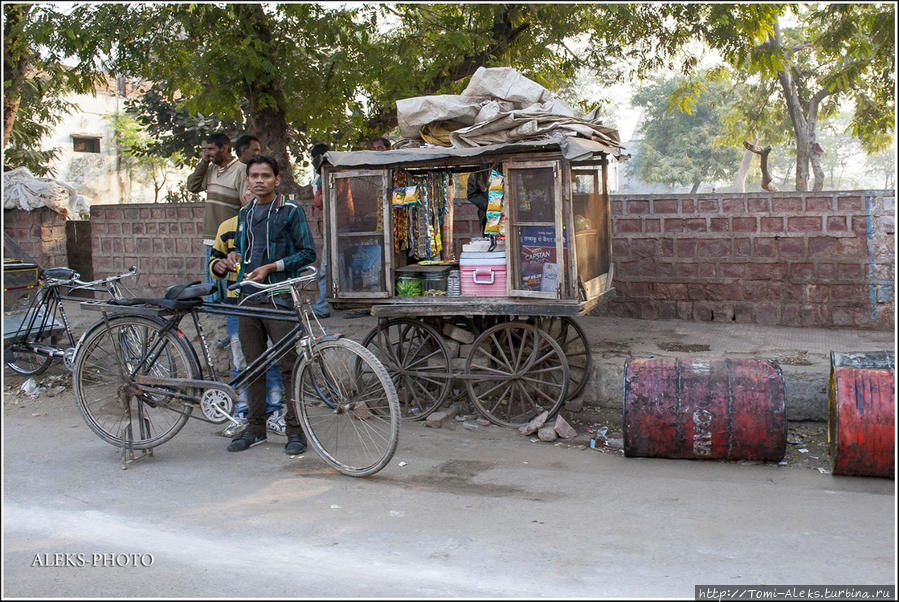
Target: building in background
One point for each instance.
(89, 160)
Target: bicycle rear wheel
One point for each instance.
(111, 405)
(348, 407)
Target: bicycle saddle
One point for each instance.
(188, 290)
(60, 273)
(178, 296)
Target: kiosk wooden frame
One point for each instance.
(523, 352)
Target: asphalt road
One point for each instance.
(484, 513)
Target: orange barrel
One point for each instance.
(720, 409)
(861, 414)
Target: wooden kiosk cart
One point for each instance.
(515, 346)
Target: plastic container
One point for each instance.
(483, 273)
(434, 284)
(408, 285)
(454, 283)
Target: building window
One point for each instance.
(82, 144)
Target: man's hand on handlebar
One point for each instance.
(259, 274)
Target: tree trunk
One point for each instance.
(269, 122)
(740, 178)
(503, 33)
(767, 183)
(15, 71)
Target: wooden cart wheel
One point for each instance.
(571, 338)
(514, 372)
(417, 362)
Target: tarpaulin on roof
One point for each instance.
(499, 106)
(572, 148)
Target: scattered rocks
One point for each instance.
(547, 433)
(440, 417)
(563, 429)
(534, 425)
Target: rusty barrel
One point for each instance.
(729, 409)
(861, 414)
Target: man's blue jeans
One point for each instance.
(321, 307)
(274, 388)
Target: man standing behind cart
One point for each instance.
(273, 244)
(224, 179)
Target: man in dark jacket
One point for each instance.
(273, 244)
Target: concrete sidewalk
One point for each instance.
(803, 355)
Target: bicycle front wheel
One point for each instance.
(21, 358)
(117, 411)
(348, 407)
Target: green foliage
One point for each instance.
(41, 109)
(174, 132)
(135, 150)
(36, 38)
(681, 148)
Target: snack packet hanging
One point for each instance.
(493, 219)
(495, 200)
(496, 180)
(397, 198)
(411, 197)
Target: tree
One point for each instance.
(836, 53)
(36, 41)
(136, 154)
(681, 148)
(174, 132)
(287, 73)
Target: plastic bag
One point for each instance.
(494, 200)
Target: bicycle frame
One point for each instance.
(298, 336)
(40, 317)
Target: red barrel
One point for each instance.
(720, 409)
(861, 414)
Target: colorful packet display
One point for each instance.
(493, 219)
(495, 200)
(397, 199)
(411, 197)
(496, 180)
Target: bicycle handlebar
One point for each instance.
(80, 283)
(264, 287)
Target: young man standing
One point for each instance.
(224, 179)
(220, 269)
(273, 244)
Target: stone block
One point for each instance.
(563, 429)
(442, 417)
(547, 433)
(536, 423)
(458, 334)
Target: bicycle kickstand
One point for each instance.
(128, 450)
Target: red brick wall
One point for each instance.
(164, 241)
(796, 259)
(41, 233)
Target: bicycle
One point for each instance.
(137, 377)
(32, 347)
